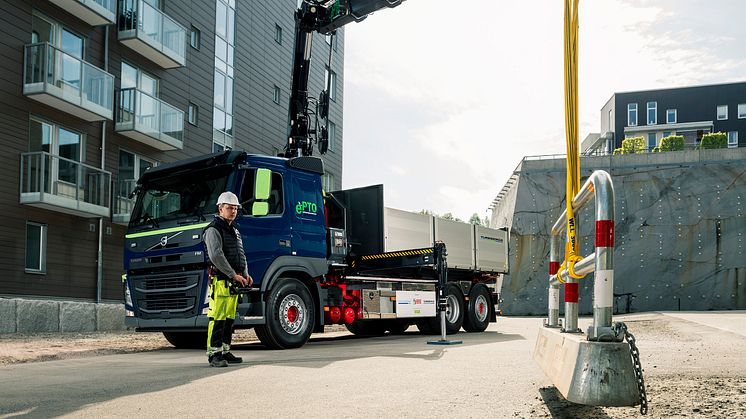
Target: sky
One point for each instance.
(442, 99)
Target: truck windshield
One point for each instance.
(186, 198)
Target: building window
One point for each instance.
(741, 110)
(632, 115)
(222, 112)
(666, 134)
(131, 168)
(651, 141)
(278, 34)
(327, 182)
(36, 248)
(330, 83)
(192, 113)
(135, 77)
(611, 120)
(332, 135)
(61, 142)
(195, 38)
(670, 116)
(722, 112)
(732, 139)
(652, 113)
(276, 95)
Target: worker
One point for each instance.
(228, 270)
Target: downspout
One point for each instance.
(100, 254)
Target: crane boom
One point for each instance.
(323, 17)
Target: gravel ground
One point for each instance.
(690, 370)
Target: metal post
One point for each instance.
(441, 266)
(553, 298)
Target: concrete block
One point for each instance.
(38, 316)
(7, 315)
(589, 373)
(110, 317)
(77, 317)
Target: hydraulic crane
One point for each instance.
(305, 127)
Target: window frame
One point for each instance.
(632, 107)
(717, 112)
(327, 182)
(655, 141)
(675, 116)
(192, 110)
(278, 34)
(330, 83)
(243, 192)
(276, 94)
(741, 111)
(332, 131)
(654, 108)
(42, 268)
(735, 143)
(195, 38)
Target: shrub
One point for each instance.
(656, 150)
(672, 143)
(714, 140)
(633, 145)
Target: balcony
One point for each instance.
(123, 205)
(67, 83)
(149, 120)
(58, 184)
(152, 34)
(93, 12)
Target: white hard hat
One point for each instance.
(228, 198)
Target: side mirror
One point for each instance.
(262, 186)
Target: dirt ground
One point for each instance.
(690, 370)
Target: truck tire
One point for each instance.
(478, 309)
(454, 313)
(187, 340)
(367, 327)
(290, 316)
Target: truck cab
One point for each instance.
(282, 224)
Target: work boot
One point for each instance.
(232, 359)
(216, 360)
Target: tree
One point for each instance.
(475, 219)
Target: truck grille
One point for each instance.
(167, 295)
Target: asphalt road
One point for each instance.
(491, 374)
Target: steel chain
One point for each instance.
(621, 327)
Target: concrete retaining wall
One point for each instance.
(32, 316)
(680, 231)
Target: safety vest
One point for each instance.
(229, 235)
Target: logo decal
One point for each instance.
(305, 207)
(164, 241)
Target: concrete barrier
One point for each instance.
(34, 316)
(589, 373)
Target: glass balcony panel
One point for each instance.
(152, 33)
(93, 12)
(123, 204)
(149, 120)
(53, 182)
(68, 83)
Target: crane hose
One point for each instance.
(572, 247)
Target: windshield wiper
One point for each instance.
(149, 218)
(200, 217)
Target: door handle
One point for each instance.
(284, 243)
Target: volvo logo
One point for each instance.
(164, 241)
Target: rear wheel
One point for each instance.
(454, 313)
(290, 316)
(478, 310)
(187, 340)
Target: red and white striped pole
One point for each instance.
(603, 284)
(554, 264)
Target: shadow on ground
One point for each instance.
(559, 407)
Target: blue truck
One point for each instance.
(317, 258)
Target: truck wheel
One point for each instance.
(478, 310)
(290, 316)
(367, 327)
(454, 313)
(187, 340)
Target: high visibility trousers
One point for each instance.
(222, 314)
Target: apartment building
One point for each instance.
(95, 92)
(687, 111)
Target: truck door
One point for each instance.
(308, 228)
(265, 237)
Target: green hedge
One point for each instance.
(672, 143)
(633, 145)
(714, 140)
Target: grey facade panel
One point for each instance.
(260, 126)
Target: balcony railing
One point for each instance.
(151, 33)
(149, 120)
(59, 184)
(67, 83)
(123, 205)
(93, 12)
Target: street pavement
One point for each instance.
(491, 374)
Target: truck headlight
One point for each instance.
(127, 296)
